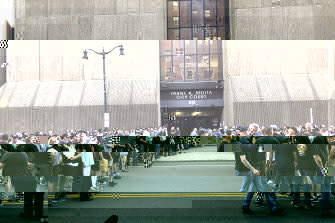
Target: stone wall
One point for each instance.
(90, 19)
(282, 19)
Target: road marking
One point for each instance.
(189, 166)
(160, 195)
(19, 203)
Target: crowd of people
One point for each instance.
(82, 161)
(291, 161)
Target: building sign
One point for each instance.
(192, 95)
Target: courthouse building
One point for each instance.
(47, 85)
(174, 19)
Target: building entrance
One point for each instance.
(189, 118)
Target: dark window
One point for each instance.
(198, 19)
(190, 60)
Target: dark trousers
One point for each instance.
(24, 183)
(37, 205)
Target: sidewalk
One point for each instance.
(197, 156)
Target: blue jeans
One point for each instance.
(326, 190)
(157, 147)
(250, 180)
(263, 181)
(269, 198)
(285, 178)
(141, 148)
(307, 187)
(245, 183)
(135, 156)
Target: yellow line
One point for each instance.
(21, 203)
(181, 194)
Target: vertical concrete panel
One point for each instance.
(51, 65)
(59, 28)
(82, 27)
(249, 24)
(105, 27)
(36, 8)
(122, 29)
(39, 27)
(273, 23)
(82, 7)
(133, 7)
(105, 7)
(300, 25)
(134, 27)
(242, 4)
(121, 7)
(20, 29)
(151, 6)
(152, 26)
(59, 8)
(19, 10)
(24, 61)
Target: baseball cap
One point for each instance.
(19, 134)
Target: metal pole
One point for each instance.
(106, 119)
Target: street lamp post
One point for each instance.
(103, 53)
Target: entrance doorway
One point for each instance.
(187, 119)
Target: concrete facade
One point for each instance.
(90, 19)
(49, 86)
(331, 72)
(147, 19)
(267, 82)
(282, 19)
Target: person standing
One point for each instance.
(249, 158)
(16, 165)
(194, 132)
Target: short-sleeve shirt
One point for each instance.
(263, 141)
(16, 164)
(305, 156)
(251, 153)
(284, 156)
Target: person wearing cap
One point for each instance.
(63, 139)
(203, 132)
(194, 132)
(244, 137)
(20, 141)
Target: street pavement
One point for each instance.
(201, 153)
(178, 177)
(167, 207)
(188, 191)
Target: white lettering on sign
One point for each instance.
(173, 93)
(198, 96)
(191, 94)
(204, 92)
(181, 97)
(191, 102)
